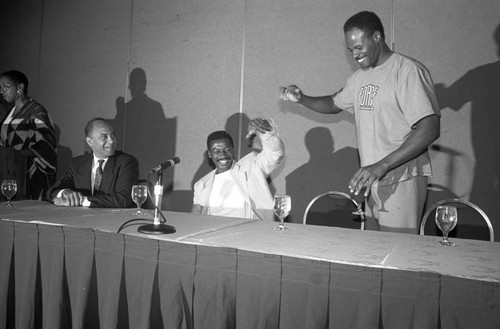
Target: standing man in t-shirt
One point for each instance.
(397, 117)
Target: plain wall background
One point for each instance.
(210, 65)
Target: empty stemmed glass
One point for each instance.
(446, 220)
(282, 207)
(9, 189)
(139, 195)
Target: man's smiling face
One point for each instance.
(102, 139)
(364, 48)
(222, 154)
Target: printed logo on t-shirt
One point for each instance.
(366, 96)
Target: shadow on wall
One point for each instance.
(326, 170)
(480, 87)
(144, 132)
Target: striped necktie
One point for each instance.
(98, 176)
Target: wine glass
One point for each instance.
(9, 189)
(139, 195)
(446, 220)
(282, 207)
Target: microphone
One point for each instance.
(167, 164)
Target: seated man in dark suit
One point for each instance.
(102, 179)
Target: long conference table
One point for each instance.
(69, 268)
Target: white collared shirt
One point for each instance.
(226, 198)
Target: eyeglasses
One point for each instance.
(6, 87)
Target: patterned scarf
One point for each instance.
(32, 129)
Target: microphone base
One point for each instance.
(156, 229)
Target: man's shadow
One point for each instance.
(144, 132)
(480, 86)
(326, 170)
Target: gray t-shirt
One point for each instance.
(387, 101)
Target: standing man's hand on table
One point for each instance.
(365, 177)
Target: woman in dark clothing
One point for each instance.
(28, 130)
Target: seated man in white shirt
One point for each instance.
(240, 189)
(85, 185)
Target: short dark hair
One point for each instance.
(219, 134)
(17, 77)
(90, 125)
(366, 21)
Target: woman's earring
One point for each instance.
(20, 95)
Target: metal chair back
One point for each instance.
(462, 203)
(323, 207)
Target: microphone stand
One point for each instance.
(157, 227)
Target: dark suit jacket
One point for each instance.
(120, 173)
